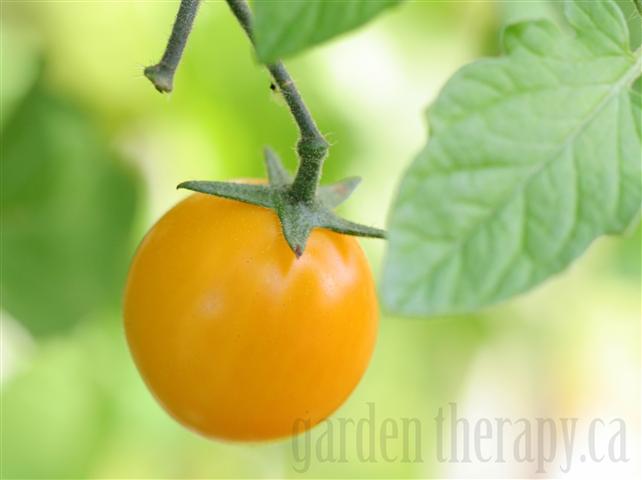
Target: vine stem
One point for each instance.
(162, 73)
(312, 147)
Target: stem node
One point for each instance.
(162, 73)
(311, 147)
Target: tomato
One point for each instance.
(235, 336)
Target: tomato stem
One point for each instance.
(298, 204)
(162, 73)
(312, 147)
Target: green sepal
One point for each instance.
(297, 221)
(335, 194)
(278, 176)
(331, 195)
(256, 194)
(298, 218)
(327, 219)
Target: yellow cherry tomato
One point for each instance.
(235, 336)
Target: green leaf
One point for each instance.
(531, 157)
(67, 208)
(283, 28)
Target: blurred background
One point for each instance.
(91, 155)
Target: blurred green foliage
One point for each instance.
(282, 29)
(67, 214)
(91, 155)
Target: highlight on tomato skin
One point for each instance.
(236, 337)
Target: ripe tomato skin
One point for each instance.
(235, 336)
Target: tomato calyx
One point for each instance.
(298, 216)
(300, 203)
